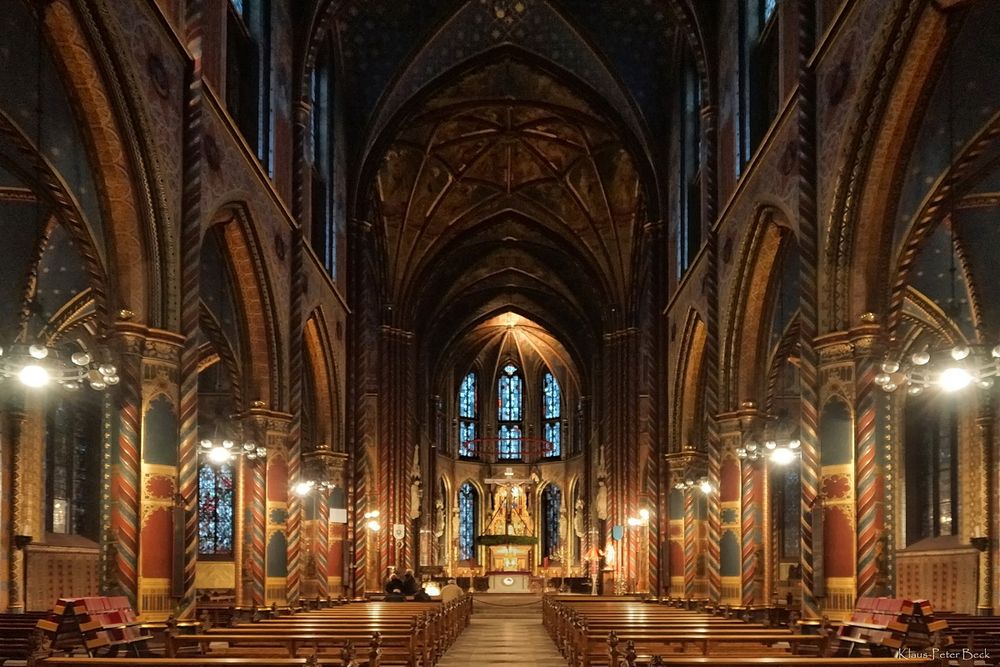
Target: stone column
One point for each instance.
(15, 420)
(986, 424)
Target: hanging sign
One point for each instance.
(398, 531)
(617, 532)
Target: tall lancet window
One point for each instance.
(468, 416)
(468, 503)
(551, 414)
(551, 504)
(216, 487)
(509, 394)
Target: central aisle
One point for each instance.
(504, 630)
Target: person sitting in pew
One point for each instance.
(422, 595)
(451, 591)
(394, 589)
(410, 584)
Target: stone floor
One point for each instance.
(505, 630)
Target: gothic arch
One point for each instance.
(124, 188)
(325, 380)
(859, 240)
(256, 302)
(744, 359)
(689, 385)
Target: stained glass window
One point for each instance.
(215, 509)
(551, 413)
(509, 396)
(468, 500)
(790, 501)
(767, 8)
(551, 502)
(467, 416)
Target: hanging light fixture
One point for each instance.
(222, 447)
(778, 447)
(38, 365)
(950, 370)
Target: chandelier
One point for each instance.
(952, 369)
(38, 365)
(703, 483)
(777, 447)
(223, 449)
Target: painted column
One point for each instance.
(191, 238)
(276, 507)
(158, 486)
(125, 516)
(869, 460)
(986, 423)
(834, 563)
(730, 494)
(16, 419)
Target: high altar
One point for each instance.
(509, 535)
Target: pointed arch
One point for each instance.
(262, 348)
(138, 242)
(321, 367)
(690, 384)
(744, 356)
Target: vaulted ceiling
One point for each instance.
(506, 157)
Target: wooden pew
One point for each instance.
(185, 662)
(781, 661)
(281, 644)
(18, 639)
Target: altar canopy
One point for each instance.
(509, 535)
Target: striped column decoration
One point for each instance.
(294, 525)
(709, 116)
(690, 529)
(750, 531)
(190, 299)
(127, 507)
(258, 506)
(360, 505)
(321, 550)
(866, 476)
(808, 278)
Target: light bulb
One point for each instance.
(228, 444)
(374, 526)
(986, 383)
(782, 456)
(959, 352)
(632, 521)
(219, 455)
(249, 446)
(890, 366)
(741, 452)
(882, 379)
(794, 444)
(261, 452)
(921, 358)
(891, 387)
(33, 376)
(303, 488)
(706, 486)
(80, 358)
(112, 379)
(38, 351)
(644, 514)
(770, 444)
(915, 390)
(107, 369)
(954, 379)
(206, 443)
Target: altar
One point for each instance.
(510, 582)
